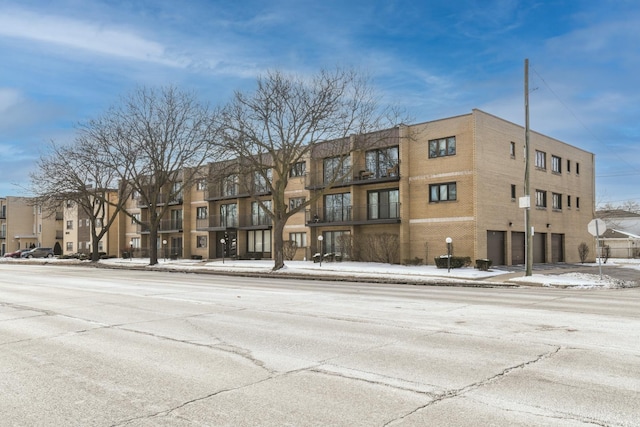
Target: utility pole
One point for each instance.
(527, 191)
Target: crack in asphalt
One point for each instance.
(450, 394)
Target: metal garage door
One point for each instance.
(539, 248)
(557, 248)
(517, 247)
(495, 247)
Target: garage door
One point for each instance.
(496, 247)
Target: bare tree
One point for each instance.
(75, 173)
(289, 119)
(158, 138)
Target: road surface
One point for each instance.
(95, 347)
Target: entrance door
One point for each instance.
(496, 247)
(176, 246)
(517, 247)
(539, 248)
(557, 248)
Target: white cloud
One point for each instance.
(87, 36)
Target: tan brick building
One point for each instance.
(23, 225)
(459, 177)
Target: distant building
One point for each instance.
(622, 237)
(25, 225)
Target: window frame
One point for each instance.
(298, 169)
(556, 164)
(541, 199)
(382, 210)
(556, 201)
(541, 160)
(436, 147)
(438, 192)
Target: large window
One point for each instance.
(337, 207)
(230, 185)
(229, 215)
(442, 147)
(336, 169)
(383, 204)
(556, 164)
(443, 192)
(201, 241)
(69, 225)
(541, 159)
(556, 201)
(259, 215)
(176, 219)
(258, 241)
(336, 242)
(382, 162)
(541, 199)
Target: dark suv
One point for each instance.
(38, 253)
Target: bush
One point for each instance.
(483, 264)
(456, 261)
(583, 252)
(415, 261)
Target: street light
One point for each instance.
(448, 240)
(130, 249)
(164, 244)
(320, 239)
(223, 241)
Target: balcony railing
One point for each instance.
(165, 225)
(372, 213)
(216, 222)
(164, 198)
(318, 180)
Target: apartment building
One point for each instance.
(416, 185)
(23, 225)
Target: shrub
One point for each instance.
(483, 264)
(583, 252)
(415, 261)
(456, 261)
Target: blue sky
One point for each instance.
(62, 62)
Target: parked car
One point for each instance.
(16, 254)
(38, 253)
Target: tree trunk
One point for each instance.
(95, 256)
(278, 244)
(153, 243)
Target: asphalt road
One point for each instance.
(92, 347)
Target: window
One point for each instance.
(556, 164)
(98, 222)
(69, 246)
(295, 202)
(298, 169)
(201, 185)
(201, 241)
(176, 219)
(39, 228)
(568, 201)
(300, 239)
(69, 225)
(383, 204)
(382, 162)
(443, 192)
(135, 218)
(336, 242)
(577, 168)
(100, 246)
(79, 223)
(512, 149)
(541, 159)
(229, 215)
(442, 147)
(513, 191)
(136, 243)
(258, 215)
(556, 201)
(69, 204)
(577, 202)
(87, 222)
(230, 185)
(337, 207)
(201, 212)
(568, 165)
(541, 199)
(259, 241)
(336, 168)
(261, 182)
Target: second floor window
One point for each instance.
(336, 168)
(201, 185)
(69, 225)
(541, 199)
(201, 212)
(443, 192)
(556, 201)
(258, 214)
(230, 185)
(295, 202)
(229, 215)
(383, 204)
(262, 182)
(135, 218)
(337, 207)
